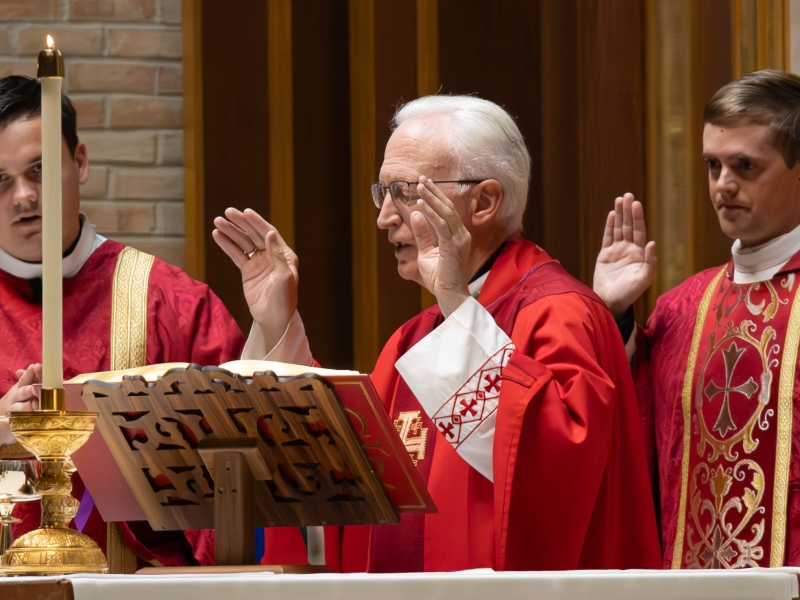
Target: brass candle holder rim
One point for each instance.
(50, 413)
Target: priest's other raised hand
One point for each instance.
(21, 396)
(626, 263)
(268, 266)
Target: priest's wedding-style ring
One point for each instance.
(250, 254)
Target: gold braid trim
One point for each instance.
(686, 402)
(129, 309)
(783, 448)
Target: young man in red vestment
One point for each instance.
(111, 320)
(716, 367)
(516, 386)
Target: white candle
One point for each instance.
(52, 326)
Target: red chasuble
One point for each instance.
(717, 381)
(570, 489)
(185, 322)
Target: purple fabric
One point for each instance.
(84, 510)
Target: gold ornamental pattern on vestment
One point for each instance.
(737, 414)
(129, 309)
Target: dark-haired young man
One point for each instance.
(111, 320)
(716, 367)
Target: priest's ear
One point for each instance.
(486, 200)
(81, 158)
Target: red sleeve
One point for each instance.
(187, 321)
(566, 422)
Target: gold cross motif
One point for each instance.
(409, 427)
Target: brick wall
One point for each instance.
(123, 63)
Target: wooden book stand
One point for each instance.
(203, 447)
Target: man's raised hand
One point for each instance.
(626, 263)
(268, 266)
(21, 396)
(444, 244)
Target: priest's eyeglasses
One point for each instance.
(404, 192)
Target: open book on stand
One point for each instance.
(320, 445)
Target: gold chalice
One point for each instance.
(54, 549)
(17, 479)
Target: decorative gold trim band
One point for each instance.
(783, 448)
(129, 309)
(686, 403)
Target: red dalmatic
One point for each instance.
(185, 322)
(717, 384)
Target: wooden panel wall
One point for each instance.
(233, 57)
(296, 99)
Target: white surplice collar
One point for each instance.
(476, 286)
(88, 242)
(761, 263)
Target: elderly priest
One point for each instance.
(122, 308)
(516, 385)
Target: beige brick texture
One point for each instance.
(71, 41)
(6, 46)
(144, 43)
(124, 76)
(96, 188)
(170, 80)
(17, 67)
(170, 12)
(110, 77)
(166, 248)
(112, 10)
(170, 217)
(91, 112)
(121, 147)
(29, 10)
(126, 217)
(170, 148)
(137, 111)
(147, 184)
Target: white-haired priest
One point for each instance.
(534, 453)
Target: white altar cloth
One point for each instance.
(748, 584)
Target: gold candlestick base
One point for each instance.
(55, 549)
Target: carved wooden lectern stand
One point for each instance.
(203, 447)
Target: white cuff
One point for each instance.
(291, 348)
(455, 373)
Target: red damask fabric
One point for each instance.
(186, 323)
(736, 385)
(570, 490)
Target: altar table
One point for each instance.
(748, 584)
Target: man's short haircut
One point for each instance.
(484, 143)
(765, 97)
(21, 98)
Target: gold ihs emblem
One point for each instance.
(409, 426)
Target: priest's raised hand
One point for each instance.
(268, 266)
(21, 396)
(444, 246)
(626, 263)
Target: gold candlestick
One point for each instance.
(52, 434)
(54, 549)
